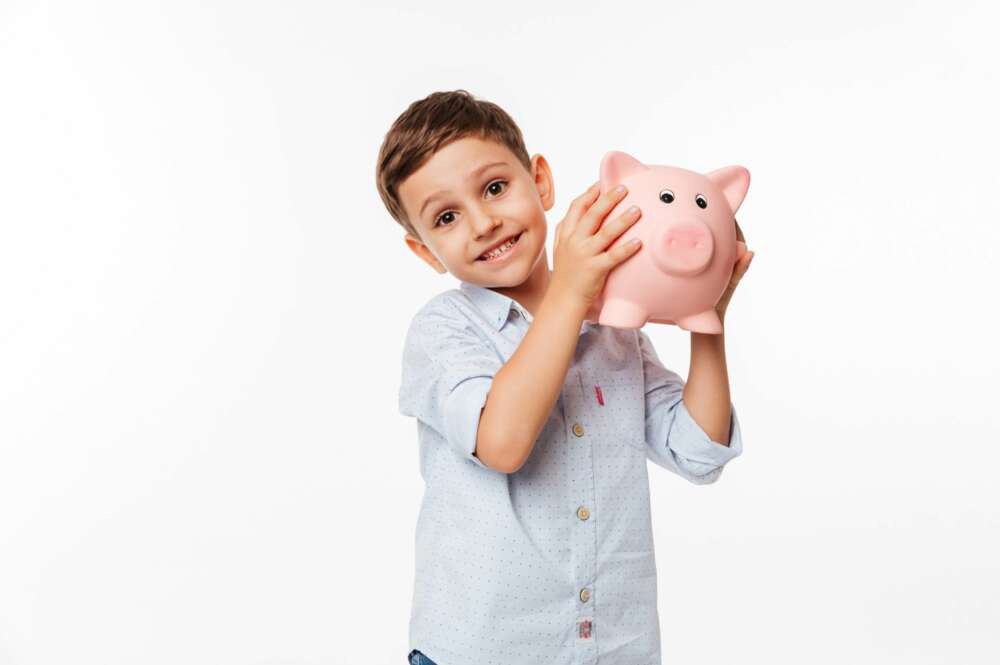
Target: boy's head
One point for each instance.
(454, 173)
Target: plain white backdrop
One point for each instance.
(203, 304)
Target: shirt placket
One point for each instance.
(575, 405)
(583, 512)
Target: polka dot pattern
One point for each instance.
(507, 569)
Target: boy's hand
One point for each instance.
(739, 269)
(580, 264)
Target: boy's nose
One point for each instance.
(485, 224)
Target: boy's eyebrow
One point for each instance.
(472, 175)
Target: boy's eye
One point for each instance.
(489, 187)
(450, 215)
(437, 222)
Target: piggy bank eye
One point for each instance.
(701, 201)
(667, 196)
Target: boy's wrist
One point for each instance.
(567, 300)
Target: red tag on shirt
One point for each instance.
(600, 395)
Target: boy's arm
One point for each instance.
(706, 393)
(695, 444)
(674, 439)
(526, 388)
(490, 412)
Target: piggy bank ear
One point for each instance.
(734, 181)
(616, 166)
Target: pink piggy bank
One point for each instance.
(689, 244)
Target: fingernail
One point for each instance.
(619, 189)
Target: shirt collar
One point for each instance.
(496, 307)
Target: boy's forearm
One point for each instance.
(706, 392)
(526, 388)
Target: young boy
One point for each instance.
(534, 541)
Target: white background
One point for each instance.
(203, 304)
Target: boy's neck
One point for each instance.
(530, 292)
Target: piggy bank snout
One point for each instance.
(683, 248)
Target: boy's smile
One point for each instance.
(468, 202)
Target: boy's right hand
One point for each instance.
(580, 264)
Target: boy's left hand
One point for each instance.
(739, 269)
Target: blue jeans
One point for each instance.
(417, 658)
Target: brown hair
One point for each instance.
(428, 125)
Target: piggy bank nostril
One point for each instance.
(690, 238)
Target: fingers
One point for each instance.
(740, 268)
(578, 207)
(611, 230)
(619, 253)
(600, 209)
(588, 196)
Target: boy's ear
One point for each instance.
(424, 252)
(542, 175)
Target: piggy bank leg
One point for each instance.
(622, 314)
(703, 322)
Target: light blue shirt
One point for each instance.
(552, 564)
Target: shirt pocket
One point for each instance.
(623, 411)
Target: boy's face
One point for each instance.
(471, 196)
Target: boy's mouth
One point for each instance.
(500, 251)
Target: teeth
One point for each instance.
(501, 249)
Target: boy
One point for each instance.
(534, 541)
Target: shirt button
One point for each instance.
(584, 595)
(582, 512)
(514, 313)
(578, 429)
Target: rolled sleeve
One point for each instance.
(674, 440)
(447, 371)
(689, 440)
(462, 409)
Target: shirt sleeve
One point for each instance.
(447, 372)
(674, 440)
